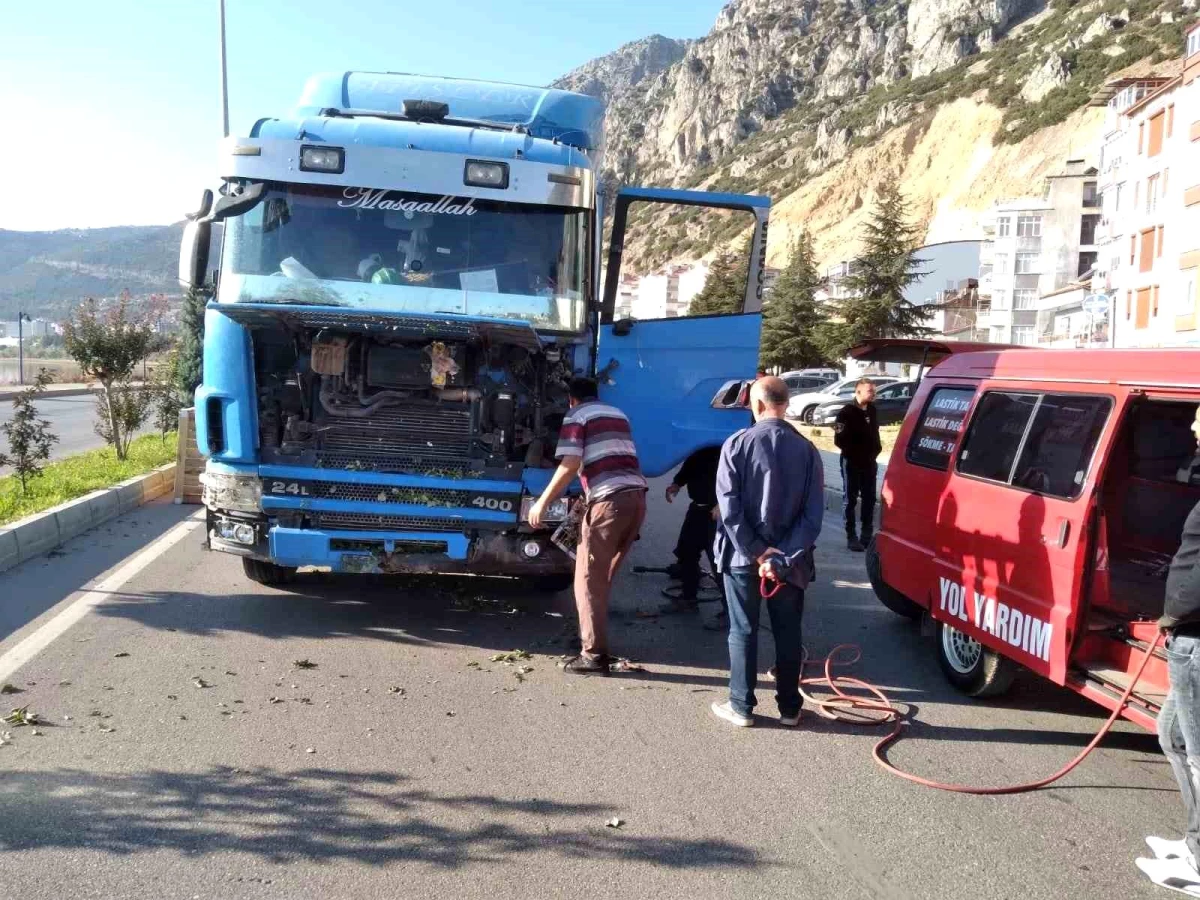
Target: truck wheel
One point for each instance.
(970, 666)
(552, 584)
(266, 573)
(888, 595)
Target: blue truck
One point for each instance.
(409, 276)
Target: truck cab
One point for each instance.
(409, 276)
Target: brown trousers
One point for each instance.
(610, 527)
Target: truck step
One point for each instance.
(1115, 681)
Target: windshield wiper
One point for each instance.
(335, 113)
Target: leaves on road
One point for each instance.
(304, 664)
(21, 716)
(511, 656)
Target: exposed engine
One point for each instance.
(341, 400)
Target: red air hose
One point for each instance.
(877, 709)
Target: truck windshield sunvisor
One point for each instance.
(400, 252)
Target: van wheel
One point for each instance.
(888, 595)
(971, 667)
(266, 573)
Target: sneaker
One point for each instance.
(789, 721)
(586, 665)
(1166, 849)
(729, 714)
(1174, 874)
(855, 545)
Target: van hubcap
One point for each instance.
(962, 651)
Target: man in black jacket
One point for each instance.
(1179, 719)
(856, 433)
(699, 475)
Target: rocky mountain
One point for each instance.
(782, 92)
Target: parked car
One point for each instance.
(805, 384)
(802, 406)
(827, 374)
(1030, 509)
(891, 403)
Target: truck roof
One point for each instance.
(1165, 368)
(548, 124)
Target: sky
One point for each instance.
(118, 101)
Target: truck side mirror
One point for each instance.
(193, 253)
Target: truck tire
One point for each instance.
(266, 573)
(888, 595)
(552, 584)
(971, 667)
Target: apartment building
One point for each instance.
(1035, 246)
(1150, 187)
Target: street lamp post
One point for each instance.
(224, 84)
(22, 318)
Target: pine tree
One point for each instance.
(876, 307)
(29, 437)
(792, 319)
(725, 287)
(190, 368)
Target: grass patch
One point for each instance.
(75, 476)
(822, 438)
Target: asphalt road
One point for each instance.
(407, 763)
(71, 418)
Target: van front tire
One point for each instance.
(267, 573)
(971, 667)
(888, 595)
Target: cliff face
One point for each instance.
(781, 92)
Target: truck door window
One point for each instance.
(995, 435)
(935, 437)
(1060, 444)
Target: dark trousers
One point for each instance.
(696, 536)
(1179, 728)
(858, 486)
(785, 610)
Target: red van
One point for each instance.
(1031, 507)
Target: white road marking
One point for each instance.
(48, 633)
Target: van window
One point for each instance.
(994, 440)
(1060, 444)
(936, 436)
(1054, 434)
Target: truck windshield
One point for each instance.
(399, 252)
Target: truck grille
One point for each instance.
(403, 438)
(340, 521)
(380, 493)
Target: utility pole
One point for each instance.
(224, 77)
(22, 318)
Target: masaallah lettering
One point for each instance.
(1011, 625)
(368, 198)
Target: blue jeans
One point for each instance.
(785, 610)
(1179, 728)
(858, 484)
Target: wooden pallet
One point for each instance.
(190, 464)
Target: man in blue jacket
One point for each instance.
(770, 493)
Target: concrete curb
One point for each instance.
(41, 532)
(49, 394)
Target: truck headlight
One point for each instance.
(242, 493)
(555, 512)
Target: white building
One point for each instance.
(1150, 183)
(1036, 246)
(665, 294)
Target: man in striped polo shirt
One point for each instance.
(595, 443)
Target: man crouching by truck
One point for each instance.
(596, 444)
(770, 493)
(1179, 719)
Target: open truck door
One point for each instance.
(680, 380)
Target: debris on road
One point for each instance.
(310, 750)
(511, 656)
(275, 700)
(304, 664)
(396, 690)
(200, 682)
(614, 822)
(120, 655)
(21, 716)
(7, 688)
